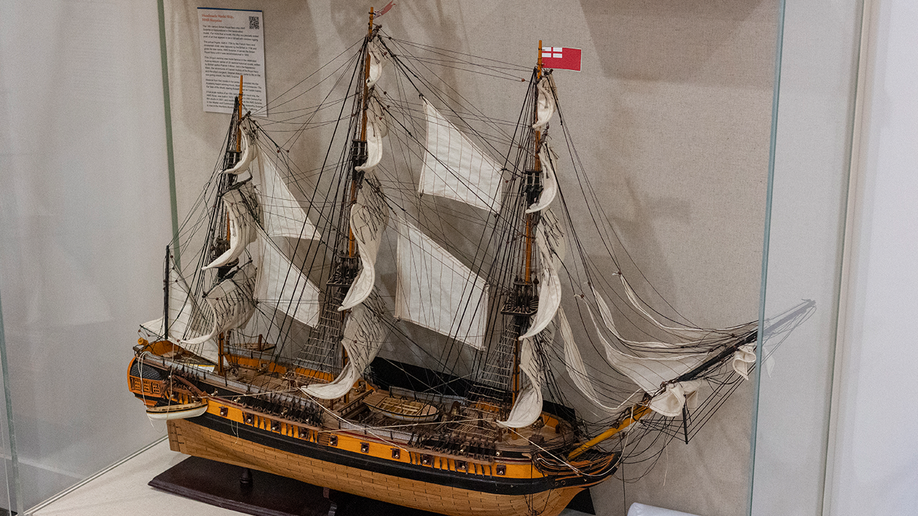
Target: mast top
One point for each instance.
(539, 62)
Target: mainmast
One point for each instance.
(359, 155)
(361, 144)
(322, 352)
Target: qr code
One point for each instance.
(253, 22)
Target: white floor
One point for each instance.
(124, 490)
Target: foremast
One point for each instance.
(533, 296)
(524, 301)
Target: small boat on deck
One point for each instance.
(180, 411)
(414, 411)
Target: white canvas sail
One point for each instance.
(576, 369)
(377, 129)
(284, 287)
(528, 406)
(550, 243)
(437, 291)
(743, 360)
(549, 182)
(545, 103)
(239, 202)
(231, 303)
(249, 151)
(454, 167)
(675, 397)
(649, 373)
(281, 212)
(369, 216)
(686, 345)
(682, 331)
(363, 333)
(378, 62)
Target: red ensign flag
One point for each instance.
(385, 9)
(561, 58)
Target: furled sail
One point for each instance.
(378, 61)
(249, 151)
(549, 182)
(677, 395)
(362, 339)
(456, 168)
(284, 287)
(743, 359)
(550, 243)
(369, 216)
(576, 369)
(545, 104)
(437, 291)
(649, 373)
(239, 202)
(528, 406)
(231, 304)
(377, 129)
(281, 212)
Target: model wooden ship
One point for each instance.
(442, 237)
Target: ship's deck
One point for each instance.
(464, 428)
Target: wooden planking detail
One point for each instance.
(191, 439)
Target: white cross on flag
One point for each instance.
(561, 58)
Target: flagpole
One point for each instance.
(539, 66)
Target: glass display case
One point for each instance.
(719, 133)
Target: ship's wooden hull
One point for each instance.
(191, 438)
(367, 462)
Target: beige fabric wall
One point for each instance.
(672, 116)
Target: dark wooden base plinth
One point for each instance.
(264, 494)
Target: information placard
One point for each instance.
(232, 44)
